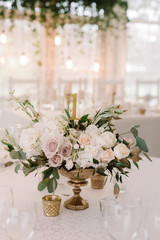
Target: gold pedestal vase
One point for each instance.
(77, 180)
(98, 181)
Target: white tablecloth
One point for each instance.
(86, 224)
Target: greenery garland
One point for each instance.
(52, 13)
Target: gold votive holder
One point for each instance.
(51, 205)
(98, 181)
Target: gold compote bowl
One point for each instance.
(77, 202)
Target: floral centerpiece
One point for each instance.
(59, 142)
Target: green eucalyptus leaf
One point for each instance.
(50, 185)
(17, 167)
(141, 144)
(54, 184)
(55, 173)
(48, 172)
(42, 185)
(22, 155)
(134, 131)
(15, 154)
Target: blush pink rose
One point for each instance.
(107, 156)
(55, 161)
(50, 146)
(84, 139)
(66, 150)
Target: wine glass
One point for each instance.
(152, 223)
(122, 221)
(106, 208)
(6, 203)
(21, 223)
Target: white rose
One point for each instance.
(29, 141)
(109, 139)
(69, 164)
(121, 151)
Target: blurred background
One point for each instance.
(108, 52)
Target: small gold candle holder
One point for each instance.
(98, 181)
(51, 205)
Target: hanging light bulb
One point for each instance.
(57, 40)
(69, 64)
(96, 66)
(3, 37)
(23, 59)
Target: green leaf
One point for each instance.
(136, 164)
(117, 176)
(42, 185)
(17, 167)
(116, 190)
(55, 173)
(50, 185)
(79, 178)
(27, 169)
(146, 155)
(83, 119)
(121, 164)
(48, 172)
(18, 155)
(54, 184)
(22, 155)
(8, 164)
(101, 171)
(14, 154)
(134, 131)
(95, 161)
(67, 113)
(141, 144)
(137, 126)
(10, 147)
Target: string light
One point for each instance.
(57, 40)
(3, 37)
(23, 59)
(69, 64)
(96, 66)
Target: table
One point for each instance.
(86, 224)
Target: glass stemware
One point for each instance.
(152, 223)
(121, 221)
(6, 203)
(21, 223)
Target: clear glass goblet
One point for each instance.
(152, 223)
(21, 223)
(122, 221)
(6, 204)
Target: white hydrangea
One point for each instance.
(30, 142)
